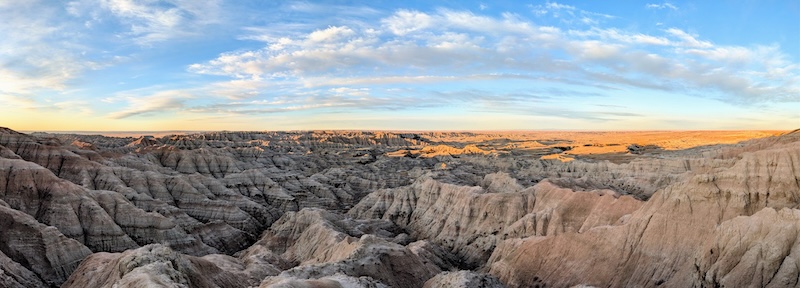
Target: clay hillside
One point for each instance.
(411, 209)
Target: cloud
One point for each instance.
(325, 67)
(41, 56)
(318, 9)
(332, 99)
(149, 22)
(569, 14)
(559, 111)
(236, 89)
(169, 100)
(665, 5)
(28, 59)
(445, 41)
(556, 6)
(18, 101)
(688, 40)
(28, 103)
(330, 34)
(406, 21)
(613, 35)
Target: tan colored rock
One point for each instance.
(658, 243)
(143, 141)
(762, 250)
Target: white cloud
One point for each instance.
(39, 53)
(372, 80)
(237, 88)
(665, 5)
(330, 34)
(168, 100)
(403, 22)
(18, 101)
(615, 35)
(594, 50)
(149, 22)
(557, 6)
(687, 39)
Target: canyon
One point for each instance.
(401, 209)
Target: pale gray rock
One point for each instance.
(13, 275)
(470, 221)
(153, 266)
(387, 262)
(34, 190)
(463, 279)
(39, 249)
(333, 281)
(323, 243)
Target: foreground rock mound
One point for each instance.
(323, 243)
(151, 266)
(762, 250)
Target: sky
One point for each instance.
(149, 65)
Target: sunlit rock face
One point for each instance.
(381, 209)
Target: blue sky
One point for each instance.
(412, 65)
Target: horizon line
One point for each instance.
(389, 130)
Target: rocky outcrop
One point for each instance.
(762, 250)
(470, 221)
(458, 209)
(143, 141)
(13, 275)
(657, 244)
(151, 266)
(333, 281)
(463, 279)
(39, 249)
(384, 261)
(323, 244)
(201, 194)
(439, 150)
(318, 248)
(31, 189)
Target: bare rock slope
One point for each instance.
(683, 235)
(379, 209)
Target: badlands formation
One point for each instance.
(382, 209)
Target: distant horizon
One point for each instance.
(380, 130)
(118, 65)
